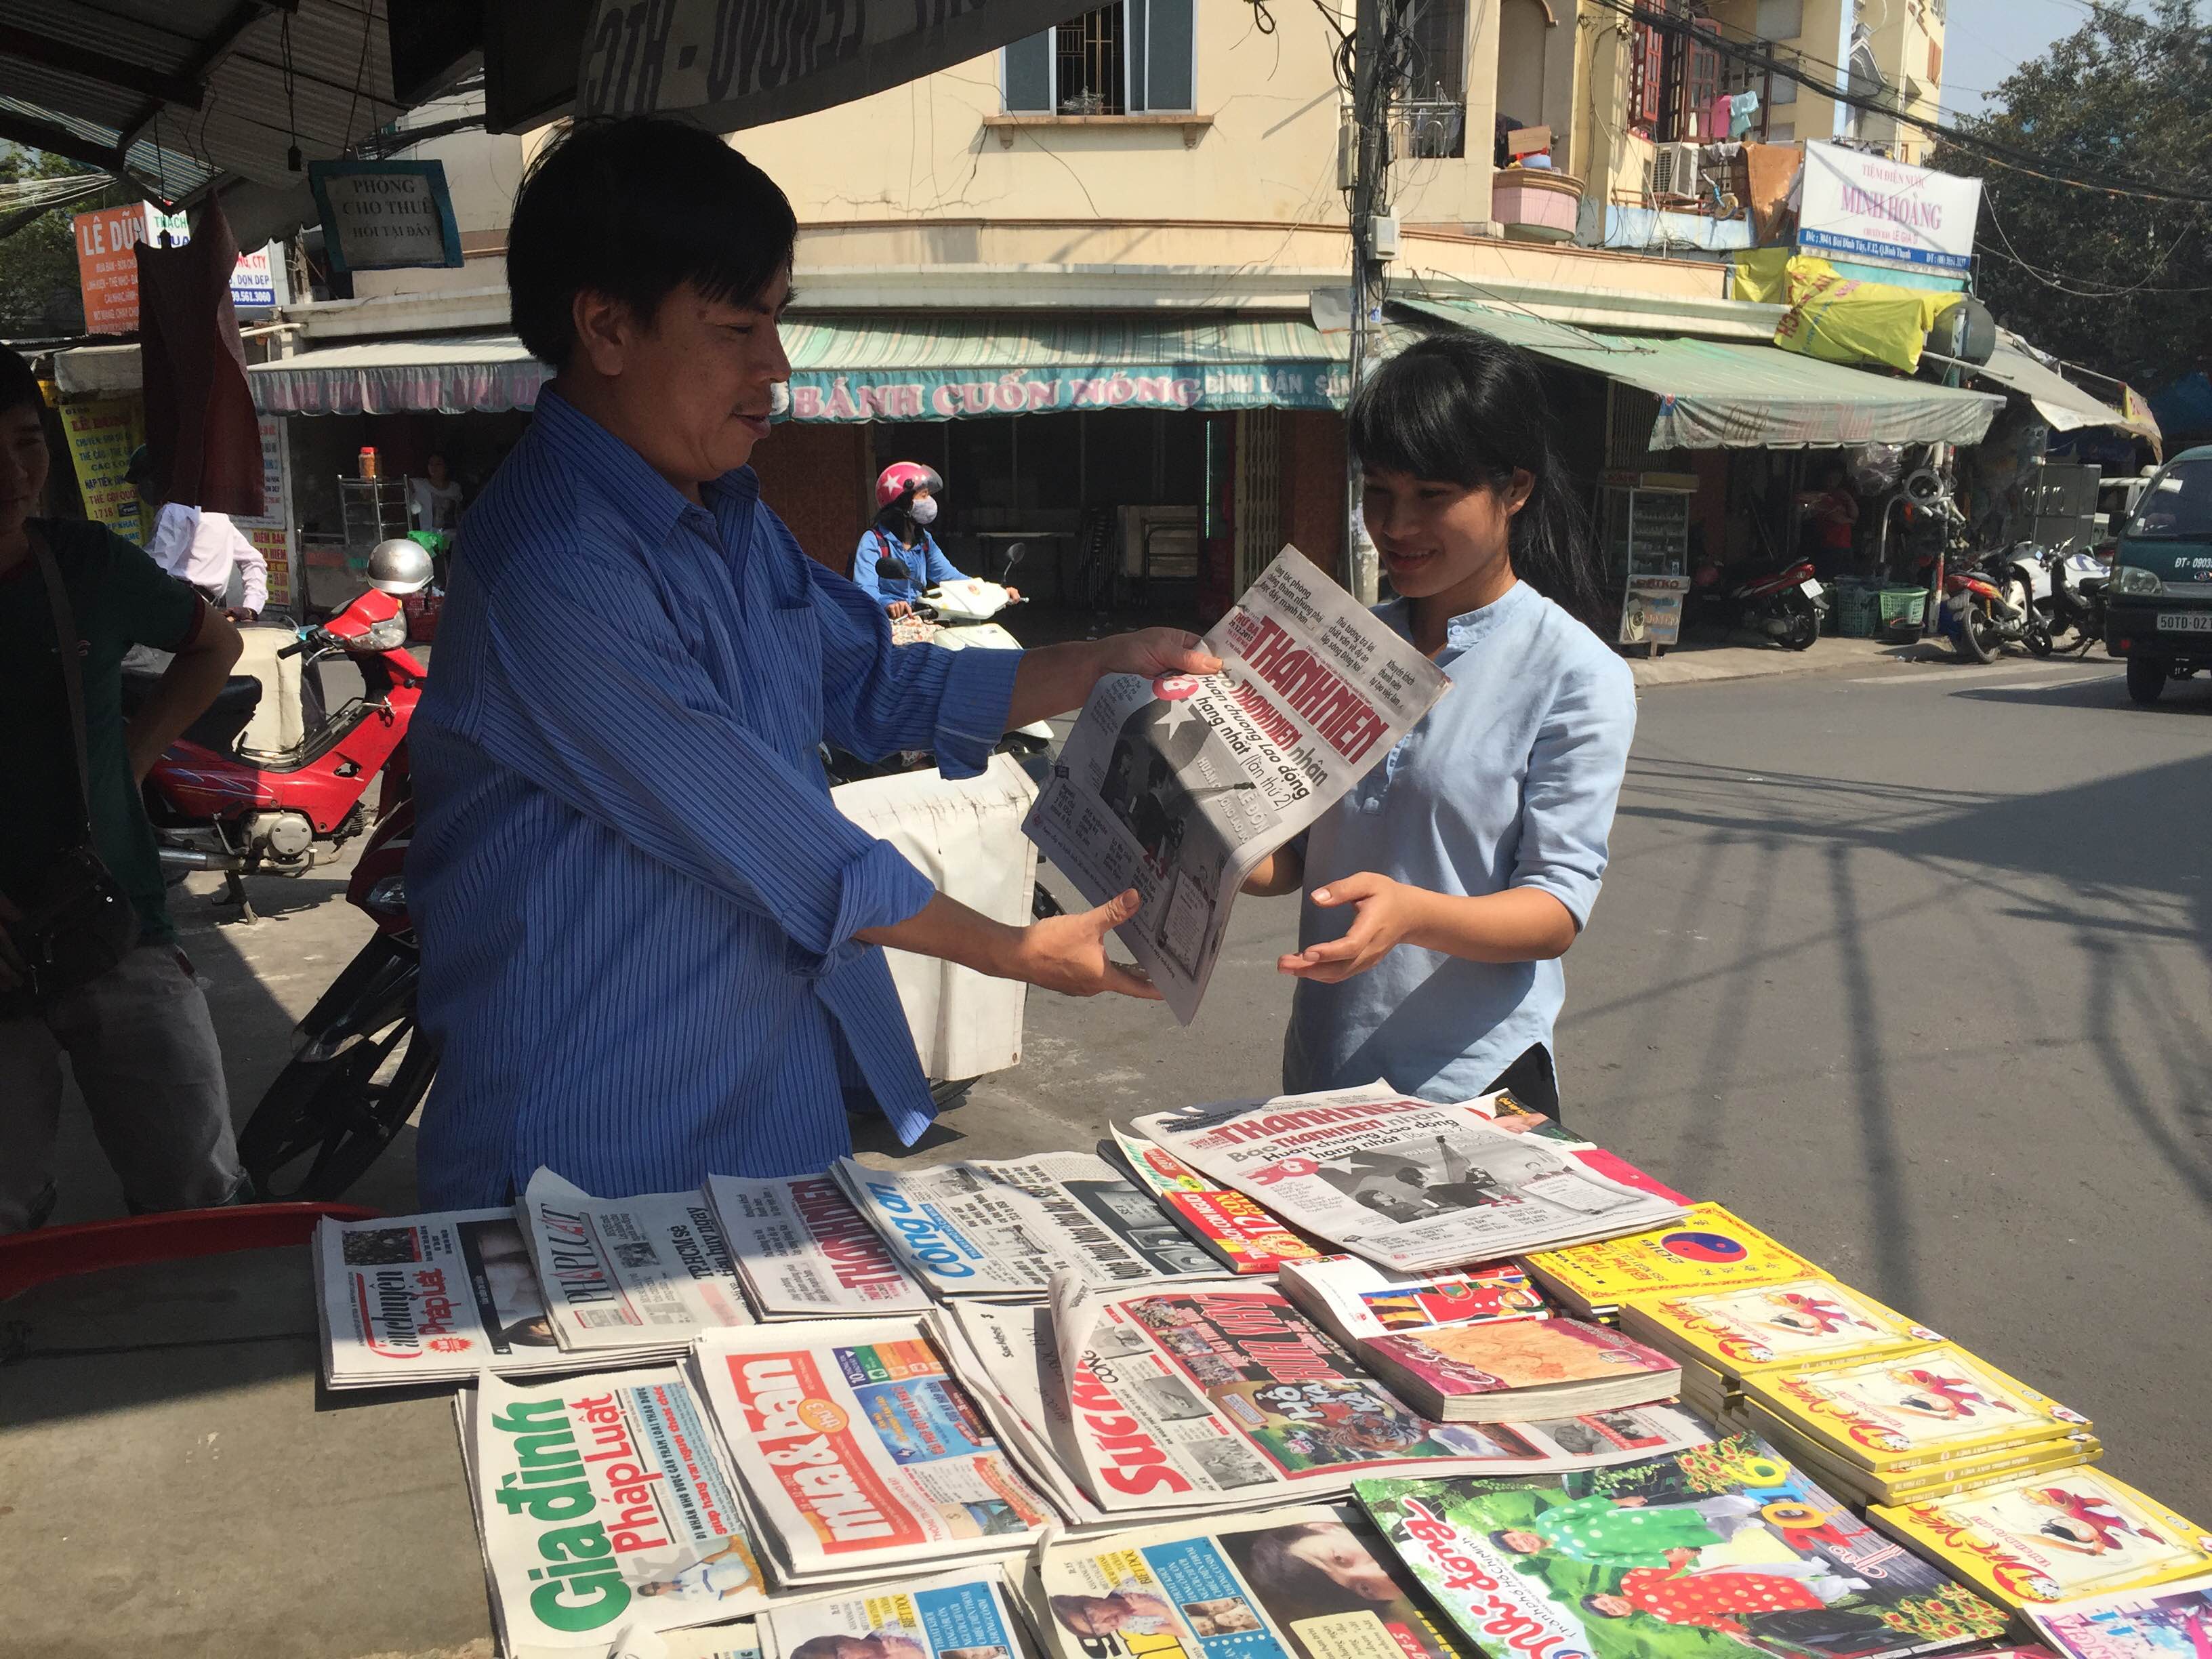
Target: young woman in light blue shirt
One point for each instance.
(1441, 893)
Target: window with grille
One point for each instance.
(1126, 59)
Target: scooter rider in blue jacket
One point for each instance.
(906, 506)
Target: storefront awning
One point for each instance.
(1726, 394)
(2057, 399)
(876, 368)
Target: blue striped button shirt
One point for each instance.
(635, 899)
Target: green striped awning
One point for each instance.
(1727, 394)
(873, 366)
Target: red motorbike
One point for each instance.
(1788, 606)
(217, 805)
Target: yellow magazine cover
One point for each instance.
(1799, 1321)
(2052, 1537)
(1927, 1480)
(1708, 1247)
(1922, 1406)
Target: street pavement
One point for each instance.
(1905, 961)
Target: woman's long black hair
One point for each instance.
(1471, 411)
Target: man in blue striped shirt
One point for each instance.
(647, 934)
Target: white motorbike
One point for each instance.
(957, 615)
(2052, 611)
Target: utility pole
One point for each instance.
(1372, 21)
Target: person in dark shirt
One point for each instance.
(138, 1035)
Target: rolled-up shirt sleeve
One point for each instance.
(603, 707)
(879, 697)
(1573, 784)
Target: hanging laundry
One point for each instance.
(1717, 117)
(1741, 108)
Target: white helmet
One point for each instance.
(399, 566)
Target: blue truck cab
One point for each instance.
(2159, 604)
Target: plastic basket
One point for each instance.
(1903, 608)
(1858, 610)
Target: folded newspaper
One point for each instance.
(1409, 1184)
(858, 1453)
(1313, 1583)
(804, 1251)
(1180, 785)
(639, 1276)
(1243, 1234)
(1005, 1227)
(954, 1615)
(603, 1507)
(1187, 1398)
(429, 1299)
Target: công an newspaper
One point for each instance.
(1200, 1397)
(1180, 785)
(1003, 1228)
(1409, 1184)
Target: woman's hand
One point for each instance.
(897, 609)
(1388, 913)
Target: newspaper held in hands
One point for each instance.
(642, 1274)
(1003, 1228)
(1180, 785)
(804, 1251)
(602, 1504)
(1409, 1184)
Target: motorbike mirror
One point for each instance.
(892, 570)
(1015, 554)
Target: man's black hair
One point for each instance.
(633, 208)
(19, 385)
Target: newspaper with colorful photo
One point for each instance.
(1307, 1582)
(1180, 785)
(638, 1275)
(1189, 1397)
(1355, 1301)
(859, 1451)
(956, 1615)
(1409, 1184)
(429, 1299)
(1003, 1228)
(1242, 1233)
(603, 1504)
(2166, 1621)
(802, 1251)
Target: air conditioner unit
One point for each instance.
(1674, 170)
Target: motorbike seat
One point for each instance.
(220, 723)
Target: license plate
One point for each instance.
(2185, 621)
(1811, 589)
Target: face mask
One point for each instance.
(925, 510)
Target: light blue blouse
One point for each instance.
(1510, 781)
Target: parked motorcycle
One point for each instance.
(2072, 611)
(217, 805)
(1788, 606)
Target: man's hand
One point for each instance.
(897, 609)
(1388, 911)
(1067, 954)
(1152, 651)
(1054, 678)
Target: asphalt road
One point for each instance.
(1908, 966)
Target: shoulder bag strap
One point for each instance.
(65, 642)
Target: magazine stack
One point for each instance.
(1707, 1249)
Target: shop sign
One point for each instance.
(896, 395)
(107, 264)
(1651, 611)
(102, 433)
(1857, 206)
(272, 530)
(384, 216)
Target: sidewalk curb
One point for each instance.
(1710, 664)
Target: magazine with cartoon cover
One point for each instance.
(1004, 1226)
(859, 1450)
(1920, 1405)
(1243, 1234)
(602, 1501)
(1409, 1184)
(1353, 1300)
(1911, 1485)
(964, 1614)
(1706, 1249)
(430, 1298)
(1719, 1550)
(2172, 1620)
(640, 1274)
(1307, 1582)
(2053, 1537)
(1799, 1321)
(1179, 1396)
(1178, 787)
(802, 1251)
